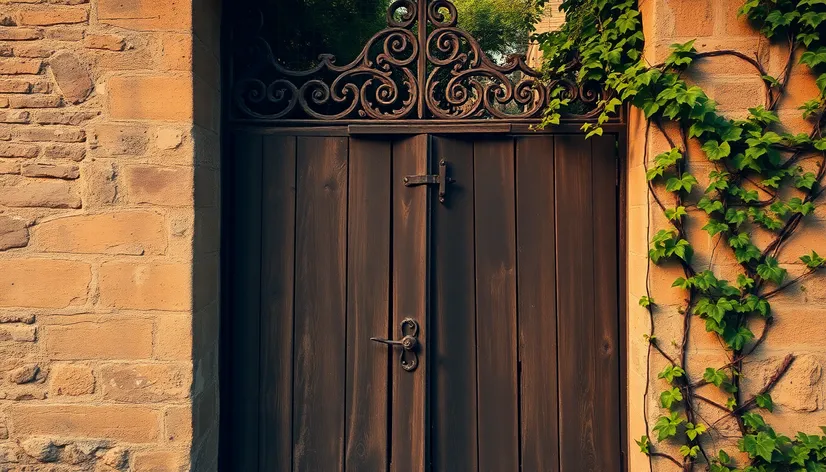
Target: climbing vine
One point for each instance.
(759, 186)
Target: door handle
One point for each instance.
(409, 343)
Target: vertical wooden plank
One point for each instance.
(536, 262)
(320, 305)
(278, 265)
(453, 321)
(575, 303)
(246, 309)
(496, 348)
(410, 299)
(368, 305)
(606, 273)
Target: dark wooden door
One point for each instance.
(512, 281)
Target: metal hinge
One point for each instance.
(441, 179)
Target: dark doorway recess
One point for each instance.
(418, 285)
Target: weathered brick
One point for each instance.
(176, 51)
(168, 15)
(71, 380)
(15, 86)
(109, 42)
(19, 66)
(18, 333)
(68, 2)
(46, 193)
(71, 76)
(34, 101)
(170, 186)
(64, 34)
(127, 232)
(41, 87)
(57, 171)
(113, 422)
(14, 117)
(13, 233)
(43, 283)
(8, 167)
(74, 152)
(151, 98)
(24, 374)
(4, 102)
(146, 383)
(102, 339)
(17, 318)
(47, 134)
(19, 150)
(54, 16)
(35, 50)
(73, 118)
(173, 338)
(102, 188)
(119, 140)
(146, 286)
(157, 461)
(19, 34)
(178, 424)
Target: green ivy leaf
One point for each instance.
(771, 271)
(806, 181)
(753, 421)
(666, 426)
(813, 261)
(759, 445)
(671, 396)
(814, 58)
(645, 444)
(714, 376)
(764, 400)
(670, 373)
(689, 451)
(675, 214)
(693, 431)
(646, 302)
(716, 151)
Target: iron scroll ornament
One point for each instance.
(421, 66)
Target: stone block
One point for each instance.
(54, 16)
(43, 283)
(168, 186)
(127, 232)
(114, 422)
(45, 193)
(146, 286)
(151, 98)
(71, 380)
(145, 383)
(107, 339)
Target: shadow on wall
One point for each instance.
(206, 299)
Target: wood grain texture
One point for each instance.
(575, 304)
(368, 305)
(607, 412)
(277, 286)
(246, 310)
(410, 299)
(453, 321)
(320, 305)
(496, 346)
(536, 262)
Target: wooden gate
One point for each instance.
(419, 281)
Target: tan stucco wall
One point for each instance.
(799, 327)
(109, 232)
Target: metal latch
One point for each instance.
(409, 359)
(441, 179)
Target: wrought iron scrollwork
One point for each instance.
(422, 66)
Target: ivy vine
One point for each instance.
(762, 180)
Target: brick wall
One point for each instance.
(109, 231)
(799, 397)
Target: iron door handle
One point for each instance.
(409, 343)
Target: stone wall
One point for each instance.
(799, 330)
(109, 234)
